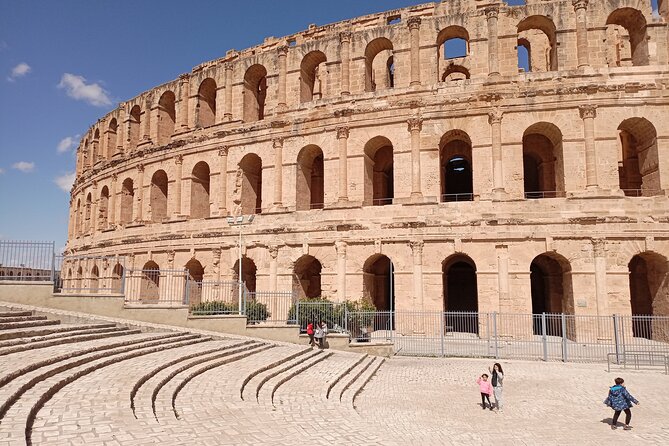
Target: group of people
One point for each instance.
(492, 387)
(317, 332)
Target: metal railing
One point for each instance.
(270, 307)
(316, 205)
(382, 201)
(638, 360)
(27, 260)
(447, 198)
(641, 192)
(164, 287)
(535, 195)
(89, 275)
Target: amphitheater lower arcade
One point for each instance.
(380, 165)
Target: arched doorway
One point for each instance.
(127, 197)
(199, 191)
(379, 282)
(379, 65)
(551, 290)
(543, 165)
(251, 187)
(195, 276)
(206, 103)
(150, 288)
(307, 277)
(255, 92)
(460, 294)
(117, 279)
(638, 167)
(248, 273)
(310, 187)
(379, 187)
(158, 198)
(455, 155)
(311, 76)
(94, 284)
(649, 295)
(103, 209)
(166, 117)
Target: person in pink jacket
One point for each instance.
(486, 390)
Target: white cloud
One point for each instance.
(24, 166)
(67, 144)
(65, 181)
(19, 71)
(2, 170)
(77, 88)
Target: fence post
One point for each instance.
(494, 330)
(53, 262)
(345, 317)
(564, 337)
(298, 322)
(441, 333)
(615, 337)
(543, 336)
(123, 281)
(187, 290)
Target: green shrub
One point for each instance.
(354, 315)
(255, 311)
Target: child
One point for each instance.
(310, 332)
(486, 390)
(619, 400)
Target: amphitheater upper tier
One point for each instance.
(463, 155)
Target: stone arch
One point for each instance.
(199, 191)
(460, 293)
(150, 286)
(78, 219)
(88, 217)
(649, 295)
(127, 199)
(103, 209)
(378, 282)
(307, 277)
(195, 272)
(543, 164)
(112, 132)
(309, 185)
(638, 165)
(311, 77)
(117, 278)
(206, 103)
(249, 271)
(452, 49)
(79, 283)
(455, 160)
(94, 282)
(627, 39)
(97, 149)
(251, 184)
(255, 93)
(539, 36)
(551, 290)
(379, 68)
(88, 156)
(134, 122)
(379, 181)
(167, 117)
(454, 72)
(158, 196)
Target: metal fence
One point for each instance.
(89, 275)
(27, 260)
(165, 287)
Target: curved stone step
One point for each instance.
(15, 313)
(364, 379)
(70, 339)
(357, 373)
(21, 341)
(267, 367)
(31, 332)
(342, 375)
(27, 324)
(9, 319)
(287, 367)
(296, 371)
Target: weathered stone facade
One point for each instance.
(488, 187)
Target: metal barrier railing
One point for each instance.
(168, 287)
(446, 198)
(638, 360)
(89, 275)
(534, 195)
(27, 260)
(382, 201)
(269, 307)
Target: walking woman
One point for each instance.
(497, 382)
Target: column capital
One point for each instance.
(491, 13)
(178, 159)
(587, 111)
(170, 256)
(223, 151)
(282, 51)
(342, 132)
(340, 246)
(599, 247)
(345, 36)
(415, 124)
(417, 247)
(495, 116)
(185, 77)
(273, 251)
(579, 4)
(414, 23)
(114, 177)
(140, 167)
(277, 143)
(227, 67)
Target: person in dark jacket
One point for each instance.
(619, 400)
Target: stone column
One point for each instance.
(216, 264)
(493, 58)
(227, 114)
(94, 209)
(342, 137)
(345, 41)
(184, 82)
(599, 253)
(278, 172)
(588, 114)
(146, 120)
(112, 202)
(580, 8)
(283, 55)
(495, 120)
(140, 193)
(415, 126)
(502, 278)
(273, 266)
(340, 246)
(179, 162)
(223, 187)
(417, 251)
(120, 148)
(220, 104)
(414, 29)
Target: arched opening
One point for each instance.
(103, 209)
(96, 147)
(460, 294)
(307, 277)
(167, 117)
(452, 50)
(312, 71)
(551, 290)
(77, 219)
(88, 156)
(378, 282)
(538, 35)
(94, 283)
(255, 93)
(379, 186)
(127, 198)
(249, 271)
(150, 287)
(524, 56)
(454, 72)
(251, 184)
(133, 126)
(310, 186)
(112, 131)
(195, 276)
(199, 191)
(117, 279)
(626, 37)
(80, 278)
(638, 165)
(649, 295)
(455, 159)
(206, 103)
(543, 164)
(379, 65)
(158, 197)
(89, 204)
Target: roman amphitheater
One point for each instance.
(409, 157)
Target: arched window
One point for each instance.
(199, 191)
(309, 193)
(133, 126)
(103, 209)
(460, 294)
(379, 187)
(453, 48)
(538, 35)
(379, 65)
(112, 131)
(638, 165)
(255, 93)
(312, 76)
(206, 104)
(455, 155)
(307, 277)
(158, 199)
(551, 290)
(89, 204)
(166, 117)
(543, 165)
(251, 184)
(150, 287)
(127, 198)
(626, 37)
